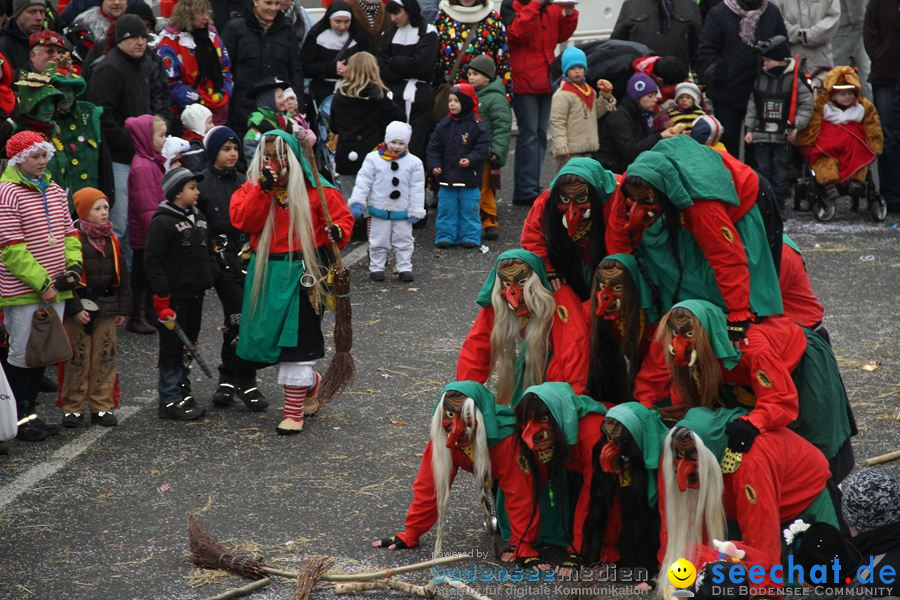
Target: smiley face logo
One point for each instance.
(682, 573)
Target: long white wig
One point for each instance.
(694, 511)
(299, 214)
(442, 461)
(505, 337)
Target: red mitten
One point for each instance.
(162, 307)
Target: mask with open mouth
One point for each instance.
(574, 204)
(538, 436)
(610, 288)
(459, 432)
(682, 349)
(642, 207)
(513, 275)
(685, 460)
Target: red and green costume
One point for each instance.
(800, 302)
(723, 253)
(569, 335)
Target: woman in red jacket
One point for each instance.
(534, 29)
(282, 310)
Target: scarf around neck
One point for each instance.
(749, 19)
(466, 14)
(97, 233)
(834, 114)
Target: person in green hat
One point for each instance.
(524, 333)
(37, 100)
(280, 209)
(469, 431)
(787, 376)
(679, 213)
(566, 224)
(623, 321)
(706, 485)
(559, 432)
(624, 498)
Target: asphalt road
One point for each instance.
(101, 513)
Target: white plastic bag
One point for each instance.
(8, 418)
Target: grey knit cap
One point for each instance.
(871, 500)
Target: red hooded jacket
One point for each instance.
(533, 34)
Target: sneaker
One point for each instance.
(71, 420)
(185, 410)
(376, 275)
(105, 418)
(289, 426)
(406, 276)
(491, 233)
(50, 428)
(253, 399)
(224, 395)
(30, 432)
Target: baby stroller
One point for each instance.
(806, 189)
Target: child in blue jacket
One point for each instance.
(457, 151)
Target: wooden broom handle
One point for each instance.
(311, 157)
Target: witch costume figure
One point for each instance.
(524, 333)
(284, 297)
(469, 431)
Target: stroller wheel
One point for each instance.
(878, 209)
(824, 209)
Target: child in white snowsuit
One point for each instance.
(391, 186)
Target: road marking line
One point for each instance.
(58, 459)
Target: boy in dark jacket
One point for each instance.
(179, 268)
(221, 178)
(495, 111)
(457, 151)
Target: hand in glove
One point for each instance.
(335, 233)
(392, 543)
(741, 435)
(267, 180)
(737, 332)
(68, 280)
(162, 308)
(357, 210)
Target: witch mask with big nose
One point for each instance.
(514, 275)
(609, 293)
(574, 204)
(642, 208)
(459, 432)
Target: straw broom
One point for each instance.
(342, 369)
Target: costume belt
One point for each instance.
(389, 215)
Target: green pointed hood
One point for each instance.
(684, 169)
(592, 172)
(710, 425)
(68, 81)
(294, 144)
(713, 320)
(787, 240)
(31, 95)
(531, 259)
(648, 431)
(566, 407)
(630, 263)
(499, 421)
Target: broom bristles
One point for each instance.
(207, 553)
(337, 378)
(309, 575)
(342, 370)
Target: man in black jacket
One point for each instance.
(728, 63)
(261, 44)
(668, 27)
(27, 18)
(120, 86)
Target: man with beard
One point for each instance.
(566, 224)
(524, 333)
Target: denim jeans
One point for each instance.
(889, 161)
(458, 220)
(118, 214)
(773, 161)
(532, 119)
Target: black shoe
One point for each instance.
(224, 395)
(406, 276)
(72, 420)
(50, 428)
(491, 233)
(185, 410)
(253, 399)
(469, 245)
(48, 386)
(442, 245)
(30, 432)
(376, 275)
(105, 418)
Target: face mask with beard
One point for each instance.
(459, 432)
(513, 275)
(642, 207)
(610, 293)
(685, 460)
(574, 204)
(538, 436)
